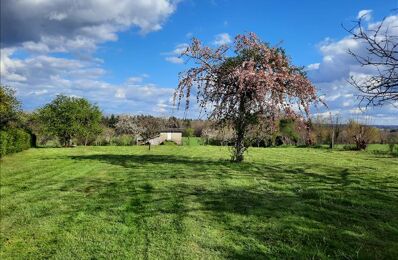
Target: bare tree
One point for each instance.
(381, 55)
(335, 125)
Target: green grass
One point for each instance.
(191, 202)
(192, 141)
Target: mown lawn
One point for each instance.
(191, 202)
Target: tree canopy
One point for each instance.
(10, 107)
(257, 83)
(69, 117)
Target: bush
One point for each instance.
(350, 147)
(3, 143)
(169, 143)
(391, 147)
(124, 140)
(14, 140)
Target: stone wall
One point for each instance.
(175, 137)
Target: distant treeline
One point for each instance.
(70, 121)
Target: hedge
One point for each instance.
(13, 141)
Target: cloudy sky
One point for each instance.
(124, 55)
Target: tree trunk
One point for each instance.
(66, 140)
(332, 139)
(240, 129)
(239, 147)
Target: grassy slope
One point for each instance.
(189, 202)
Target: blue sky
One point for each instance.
(124, 55)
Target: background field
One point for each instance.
(191, 202)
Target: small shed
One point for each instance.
(172, 134)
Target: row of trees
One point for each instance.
(71, 120)
(354, 134)
(76, 119)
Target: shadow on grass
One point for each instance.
(385, 153)
(296, 212)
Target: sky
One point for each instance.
(124, 55)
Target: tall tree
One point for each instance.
(380, 42)
(69, 117)
(89, 120)
(10, 107)
(259, 81)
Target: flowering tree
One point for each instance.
(150, 128)
(257, 83)
(127, 125)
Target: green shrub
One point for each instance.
(3, 143)
(391, 147)
(169, 143)
(350, 147)
(14, 140)
(124, 140)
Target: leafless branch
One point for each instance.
(381, 54)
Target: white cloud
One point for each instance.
(327, 114)
(175, 60)
(9, 67)
(80, 24)
(180, 48)
(174, 55)
(40, 78)
(120, 93)
(333, 97)
(365, 15)
(77, 27)
(356, 111)
(313, 66)
(57, 16)
(347, 103)
(222, 38)
(135, 80)
(36, 46)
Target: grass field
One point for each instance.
(191, 202)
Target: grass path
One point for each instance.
(191, 202)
